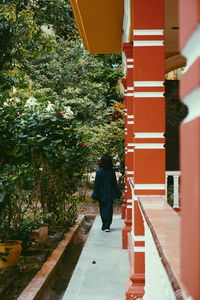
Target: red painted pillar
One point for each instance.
(189, 12)
(129, 151)
(124, 205)
(149, 125)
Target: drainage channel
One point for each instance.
(60, 280)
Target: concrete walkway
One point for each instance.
(102, 270)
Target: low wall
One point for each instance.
(162, 250)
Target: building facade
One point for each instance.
(154, 37)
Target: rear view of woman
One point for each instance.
(106, 190)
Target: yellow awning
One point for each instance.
(100, 24)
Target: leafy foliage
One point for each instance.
(108, 139)
(56, 113)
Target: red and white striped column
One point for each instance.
(124, 206)
(129, 147)
(149, 124)
(189, 12)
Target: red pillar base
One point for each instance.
(125, 231)
(127, 228)
(135, 288)
(178, 210)
(123, 211)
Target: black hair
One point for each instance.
(106, 162)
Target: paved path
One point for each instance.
(105, 279)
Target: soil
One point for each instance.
(94, 209)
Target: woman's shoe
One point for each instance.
(107, 230)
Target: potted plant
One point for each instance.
(25, 231)
(40, 234)
(10, 249)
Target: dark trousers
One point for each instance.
(106, 213)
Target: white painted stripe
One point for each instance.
(192, 49)
(139, 249)
(129, 206)
(130, 150)
(150, 196)
(129, 202)
(124, 64)
(149, 187)
(139, 238)
(130, 59)
(132, 236)
(149, 94)
(153, 135)
(148, 83)
(131, 145)
(130, 94)
(193, 104)
(130, 172)
(148, 43)
(130, 88)
(149, 145)
(130, 122)
(148, 32)
(130, 116)
(125, 109)
(126, 20)
(129, 66)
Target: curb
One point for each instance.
(37, 285)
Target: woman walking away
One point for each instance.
(106, 190)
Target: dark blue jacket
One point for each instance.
(105, 187)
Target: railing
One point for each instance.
(162, 254)
(176, 191)
(162, 244)
(158, 285)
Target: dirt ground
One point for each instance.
(94, 209)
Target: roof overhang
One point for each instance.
(100, 24)
(104, 24)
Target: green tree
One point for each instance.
(55, 105)
(110, 75)
(72, 75)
